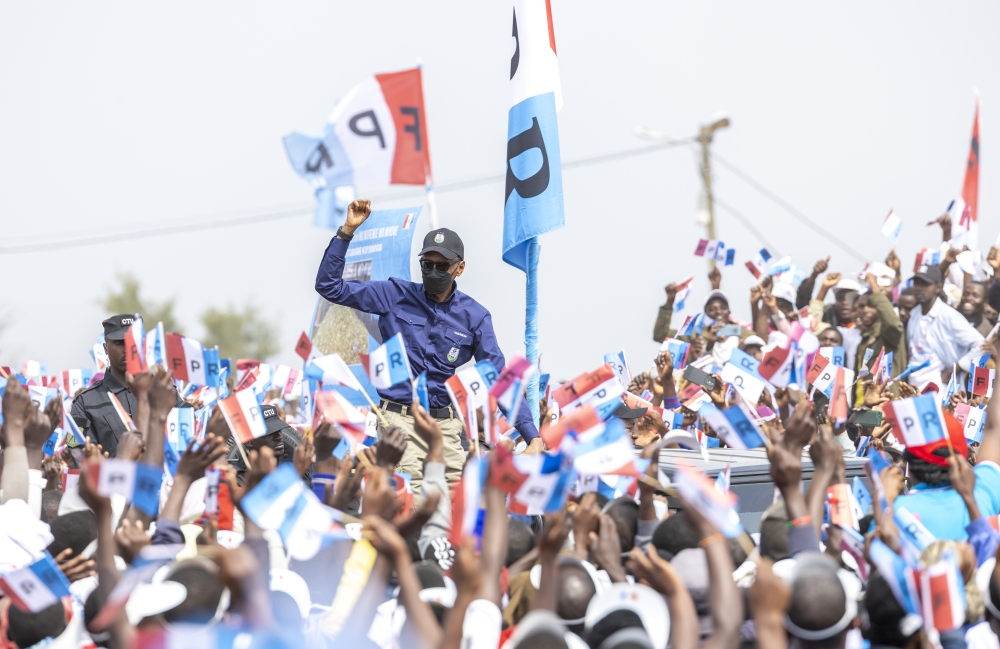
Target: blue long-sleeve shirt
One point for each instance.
(439, 337)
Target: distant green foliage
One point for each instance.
(127, 300)
(240, 333)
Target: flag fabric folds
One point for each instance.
(533, 195)
(375, 136)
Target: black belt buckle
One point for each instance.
(436, 413)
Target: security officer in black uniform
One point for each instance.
(92, 409)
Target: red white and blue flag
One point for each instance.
(917, 421)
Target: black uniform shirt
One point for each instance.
(103, 425)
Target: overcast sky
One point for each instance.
(119, 114)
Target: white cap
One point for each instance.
(847, 284)
(715, 294)
(784, 291)
(641, 600)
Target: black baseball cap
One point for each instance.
(623, 411)
(932, 275)
(444, 241)
(116, 326)
(271, 418)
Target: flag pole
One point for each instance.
(531, 323)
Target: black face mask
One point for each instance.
(437, 281)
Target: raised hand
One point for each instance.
(193, 462)
(892, 261)
(651, 568)
(75, 568)
(715, 277)
(162, 393)
(305, 455)
(606, 549)
(800, 428)
(357, 212)
(379, 498)
(384, 537)
(993, 258)
(217, 424)
(130, 446)
(873, 394)
(347, 486)
(139, 383)
(390, 448)
(554, 534)
(671, 291)
(820, 267)
(426, 427)
(831, 280)
(131, 538)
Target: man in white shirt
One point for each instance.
(938, 333)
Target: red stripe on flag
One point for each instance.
(552, 29)
(404, 95)
(176, 360)
(970, 188)
(238, 424)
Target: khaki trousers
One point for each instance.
(416, 450)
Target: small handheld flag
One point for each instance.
(138, 483)
(135, 347)
(735, 426)
(242, 413)
(509, 386)
(683, 290)
(916, 421)
(36, 587)
(700, 492)
(891, 227)
(388, 364)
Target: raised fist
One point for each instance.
(357, 212)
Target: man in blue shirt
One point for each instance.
(940, 507)
(442, 327)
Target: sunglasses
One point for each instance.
(428, 266)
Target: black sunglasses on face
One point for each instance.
(426, 265)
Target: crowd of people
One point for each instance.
(311, 534)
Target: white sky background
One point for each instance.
(116, 114)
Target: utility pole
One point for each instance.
(705, 140)
(706, 215)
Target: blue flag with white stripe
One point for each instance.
(533, 196)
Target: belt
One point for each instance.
(436, 413)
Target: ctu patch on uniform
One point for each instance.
(453, 354)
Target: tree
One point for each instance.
(240, 334)
(127, 300)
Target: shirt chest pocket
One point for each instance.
(459, 344)
(413, 326)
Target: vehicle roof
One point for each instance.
(749, 478)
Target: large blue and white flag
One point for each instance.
(533, 197)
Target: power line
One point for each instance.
(101, 234)
(747, 178)
(747, 224)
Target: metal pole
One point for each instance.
(705, 139)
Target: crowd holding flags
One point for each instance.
(377, 136)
